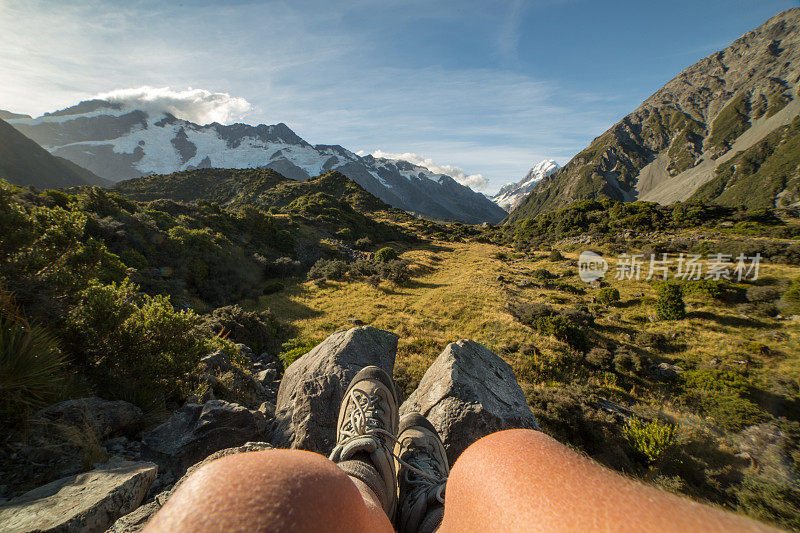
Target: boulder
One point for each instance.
(468, 393)
(105, 418)
(313, 386)
(665, 371)
(86, 502)
(217, 361)
(195, 431)
(136, 520)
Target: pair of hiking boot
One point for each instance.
(402, 461)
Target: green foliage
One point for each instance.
(731, 122)
(31, 369)
(293, 349)
(721, 396)
(600, 358)
(607, 295)
(706, 288)
(133, 340)
(650, 439)
(386, 254)
(669, 304)
(555, 255)
(258, 330)
(330, 269)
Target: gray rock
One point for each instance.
(195, 431)
(105, 418)
(137, 520)
(216, 361)
(313, 386)
(87, 502)
(666, 371)
(468, 393)
(266, 376)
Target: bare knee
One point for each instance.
(258, 491)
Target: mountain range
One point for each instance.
(511, 195)
(725, 130)
(118, 142)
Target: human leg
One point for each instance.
(523, 480)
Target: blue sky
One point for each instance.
(490, 87)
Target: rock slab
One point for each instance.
(195, 431)
(87, 502)
(313, 386)
(468, 393)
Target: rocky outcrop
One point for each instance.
(467, 393)
(87, 502)
(195, 431)
(313, 386)
(104, 418)
(136, 520)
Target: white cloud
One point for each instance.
(195, 105)
(474, 181)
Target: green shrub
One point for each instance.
(600, 358)
(649, 439)
(555, 255)
(293, 349)
(653, 340)
(31, 369)
(792, 296)
(133, 340)
(607, 295)
(562, 329)
(386, 254)
(364, 243)
(258, 330)
(395, 271)
(627, 361)
(669, 304)
(707, 288)
(763, 293)
(134, 259)
(331, 269)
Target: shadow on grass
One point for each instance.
(732, 321)
(628, 303)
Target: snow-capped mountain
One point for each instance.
(511, 195)
(118, 142)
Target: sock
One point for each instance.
(364, 471)
(432, 520)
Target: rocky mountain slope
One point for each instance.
(693, 131)
(511, 195)
(118, 143)
(23, 162)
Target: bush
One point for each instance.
(283, 267)
(771, 501)
(364, 243)
(384, 255)
(259, 330)
(31, 369)
(763, 293)
(669, 304)
(331, 269)
(562, 329)
(626, 361)
(792, 296)
(135, 341)
(650, 439)
(395, 271)
(607, 295)
(600, 358)
(293, 349)
(652, 340)
(706, 288)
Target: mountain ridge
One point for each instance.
(676, 140)
(511, 195)
(120, 142)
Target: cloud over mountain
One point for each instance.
(195, 105)
(474, 181)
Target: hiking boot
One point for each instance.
(366, 434)
(422, 475)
